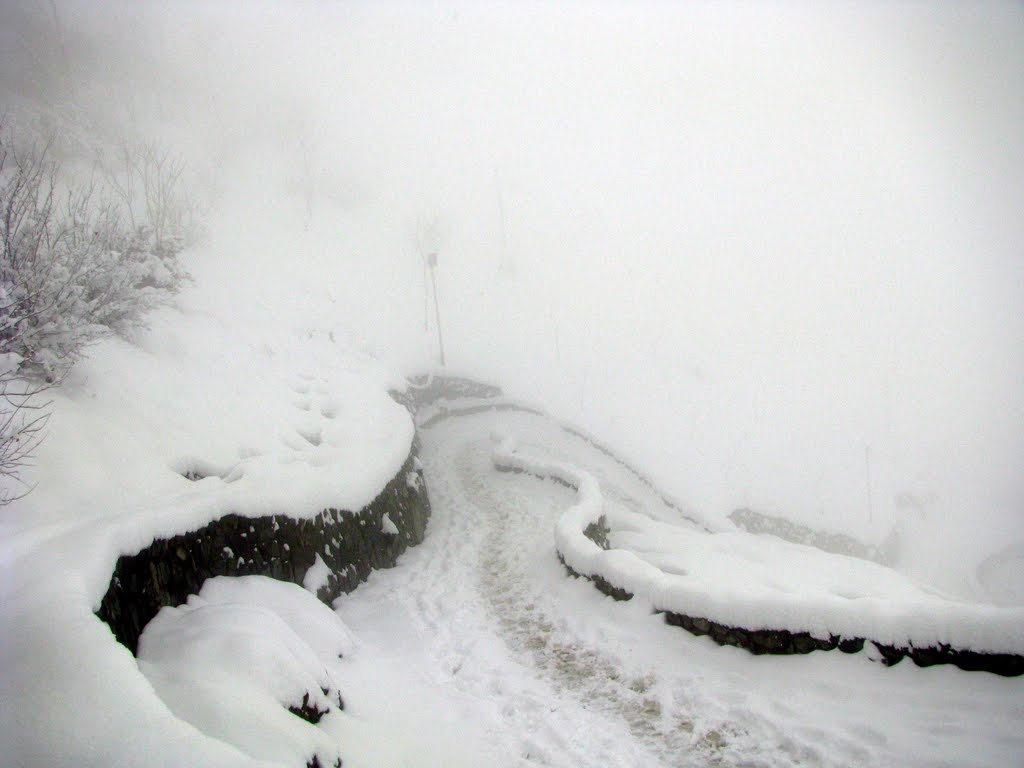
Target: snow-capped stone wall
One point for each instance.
(349, 544)
(330, 553)
(983, 638)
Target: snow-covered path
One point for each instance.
(501, 659)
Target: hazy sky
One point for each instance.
(766, 248)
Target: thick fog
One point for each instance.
(772, 252)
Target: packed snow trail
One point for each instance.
(528, 666)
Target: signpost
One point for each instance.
(432, 265)
(429, 238)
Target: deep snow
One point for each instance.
(477, 649)
(565, 676)
(774, 258)
(213, 409)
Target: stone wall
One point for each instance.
(351, 544)
(783, 641)
(429, 388)
(836, 543)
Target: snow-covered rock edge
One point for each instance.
(207, 414)
(578, 551)
(969, 635)
(329, 554)
(254, 663)
(444, 408)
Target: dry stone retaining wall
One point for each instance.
(351, 544)
(783, 641)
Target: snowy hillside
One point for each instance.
(203, 415)
(478, 648)
(764, 257)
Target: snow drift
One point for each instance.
(761, 583)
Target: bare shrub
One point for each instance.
(22, 420)
(76, 264)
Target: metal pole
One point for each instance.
(867, 476)
(504, 265)
(437, 310)
(426, 300)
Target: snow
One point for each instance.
(762, 582)
(735, 362)
(565, 676)
(316, 575)
(217, 407)
(9, 361)
(444, 407)
(234, 656)
(388, 526)
(232, 659)
(477, 649)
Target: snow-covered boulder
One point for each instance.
(250, 662)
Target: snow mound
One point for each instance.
(235, 659)
(761, 583)
(388, 526)
(317, 575)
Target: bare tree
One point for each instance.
(27, 194)
(22, 421)
(148, 184)
(37, 284)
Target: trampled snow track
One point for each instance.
(474, 597)
(556, 674)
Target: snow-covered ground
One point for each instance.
(216, 408)
(756, 582)
(477, 649)
(483, 621)
(773, 258)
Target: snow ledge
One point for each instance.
(972, 637)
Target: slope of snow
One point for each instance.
(218, 407)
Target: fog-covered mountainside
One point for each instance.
(769, 256)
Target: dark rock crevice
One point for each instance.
(781, 641)
(308, 710)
